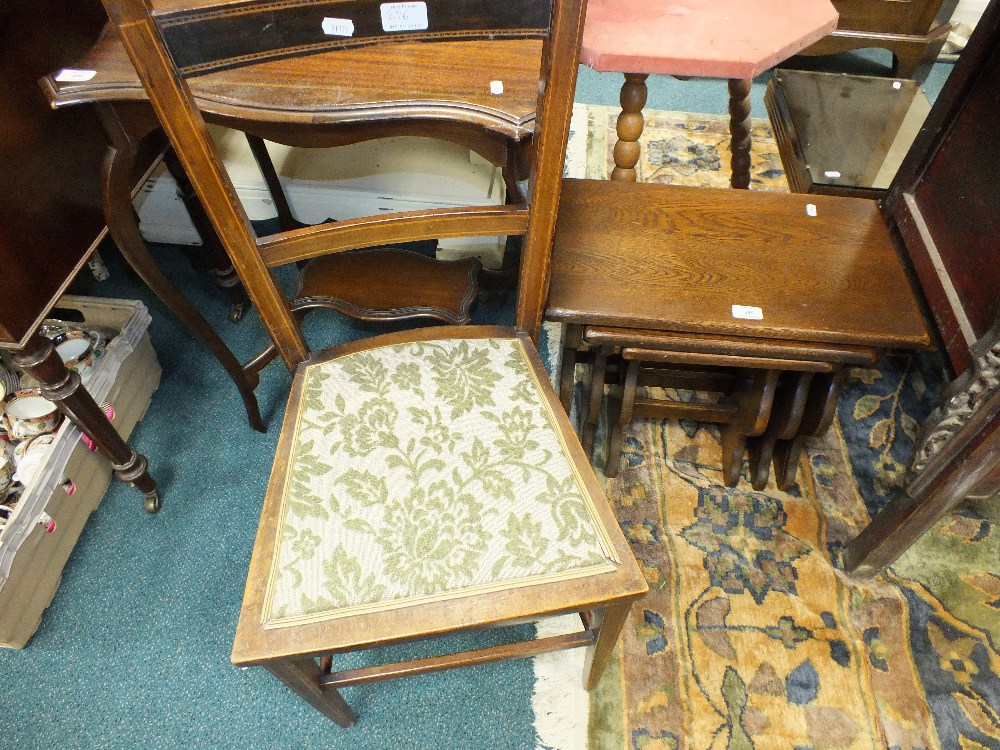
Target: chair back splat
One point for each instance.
(170, 45)
(426, 482)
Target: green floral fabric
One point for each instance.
(421, 471)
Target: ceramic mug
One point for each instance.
(28, 414)
(77, 349)
(30, 456)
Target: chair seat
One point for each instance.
(423, 472)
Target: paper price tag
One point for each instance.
(74, 75)
(338, 27)
(404, 16)
(811, 209)
(747, 312)
(496, 87)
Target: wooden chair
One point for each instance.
(425, 483)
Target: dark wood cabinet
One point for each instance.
(50, 197)
(943, 205)
(50, 205)
(912, 30)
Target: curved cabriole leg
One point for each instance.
(629, 127)
(62, 387)
(740, 127)
(116, 196)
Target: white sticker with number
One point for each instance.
(338, 27)
(75, 75)
(747, 312)
(404, 16)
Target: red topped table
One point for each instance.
(734, 39)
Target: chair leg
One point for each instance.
(598, 655)
(302, 675)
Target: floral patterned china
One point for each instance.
(28, 413)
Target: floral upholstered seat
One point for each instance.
(425, 471)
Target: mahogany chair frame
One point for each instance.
(300, 655)
(259, 102)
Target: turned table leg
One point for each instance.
(62, 387)
(629, 127)
(740, 127)
(218, 260)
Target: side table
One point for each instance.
(330, 104)
(732, 39)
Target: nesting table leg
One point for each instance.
(598, 373)
(613, 460)
(754, 400)
(790, 403)
(567, 368)
(820, 409)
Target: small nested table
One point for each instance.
(764, 298)
(733, 39)
(771, 394)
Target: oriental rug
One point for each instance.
(752, 636)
